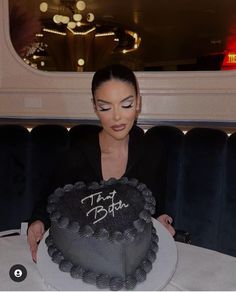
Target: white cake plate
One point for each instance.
(161, 273)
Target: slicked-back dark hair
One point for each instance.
(115, 71)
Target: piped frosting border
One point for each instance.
(104, 281)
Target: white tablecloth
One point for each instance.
(197, 268)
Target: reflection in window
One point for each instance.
(67, 36)
(151, 35)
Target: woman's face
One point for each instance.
(116, 105)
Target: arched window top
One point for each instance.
(148, 35)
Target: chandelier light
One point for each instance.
(90, 17)
(81, 5)
(43, 6)
(78, 21)
(77, 17)
(57, 18)
(71, 24)
(65, 19)
(81, 62)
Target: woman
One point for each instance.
(115, 151)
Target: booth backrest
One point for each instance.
(200, 176)
(14, 153)
(201, 184)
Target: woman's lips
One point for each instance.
(118, 128)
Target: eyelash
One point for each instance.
(104, 109)
(128, 106)
(123, 106)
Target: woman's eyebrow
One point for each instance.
(103, 101)
(107, 102)
(126, 98)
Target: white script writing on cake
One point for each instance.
(99, 211)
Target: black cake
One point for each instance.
(102, 232)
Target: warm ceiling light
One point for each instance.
(80, 5)
(77, 17)
(65, 19)
(43, 6)
(54, 31)
(71, 24)
(82, 32)
(90, 17)
(57, 18)
(81, 62)
(104, 34)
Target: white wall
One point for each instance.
(29, 93)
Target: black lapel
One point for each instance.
(135, 145)
(92, 151)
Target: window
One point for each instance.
(150, 35)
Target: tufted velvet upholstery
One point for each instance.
(48, 142)
(14, 149)
(227, 238)
(201, 185)
(171, 139)
(200, 189)
(197, 186)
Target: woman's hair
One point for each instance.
(115, 71)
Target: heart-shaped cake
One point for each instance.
(102, 232)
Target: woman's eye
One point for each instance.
(128, 104)
(103, 108)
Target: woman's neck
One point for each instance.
(114, 155)
(108, 144)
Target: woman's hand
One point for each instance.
(35, 234)
(167, 221)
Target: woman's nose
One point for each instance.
(116, 114)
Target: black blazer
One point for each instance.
(83, 163)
